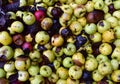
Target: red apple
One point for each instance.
(39, 15)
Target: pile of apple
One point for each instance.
(60, 41)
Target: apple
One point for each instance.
(23, 76)
(62, 73)
(70, 49)
(61, 81)
(3, 73)
(29, 18)
(9, 66)
(37, 79)
(78, 59)
(53, 78)
(39, 15)
(18, 52)
(33, 70)
(105, 68)
(91, 64)
(22, 63)
(45, 71)
(75, 72)
(35, 56)
(49, 54)
(7, 52)
(67, 62)
(5, 38)
(16, 27)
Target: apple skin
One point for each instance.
(9, 66)
(5, 38)
(3, 73)
(45, 71)
(23, 76)
(78, 59)
(35, 56)
(6, 51)
(105, 68)
(62, 72)
(61, 81)
(97, 76)
(16, 27)
(53, 78)
(72, 81)
(67, 62)
(75, 72)
(22, 63)
(39, 15)
(116, 53)
(116, 76)
(29, 18)
(33, 70)
(91, 64)
(49, 54)
(18, 52)
(37, 79)
(70, 49)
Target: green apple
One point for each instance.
(18, 52)
(6, 51)
(62, 73)
(33, 70)
(78, 59)
(56, 64)
(3, 73)
(115, 64)
(16, 27)
(72, 81)
(91, 64)
(76, 27)
(97, 76)
(45, 71)
(9, 66)
(103, 25)
(5, 38)
(29, 18)
(58, 51)
(80, 1)
(105, 49)
(117, 31)
(67, 62)
(22, 63)
(116, 53)
(67, 9)
(61, 81)
(116, 76)
(53, 78)
(8, 74)
(37, 79)
(117, 42)
(101, 58)
(113, 21)
(70, 49)
(80, 11)
(90, 28)
(105, 68)
(23, 76)
(42, 37)
(75, 72)
(96, 37)
(35, 56)
(49, 54)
